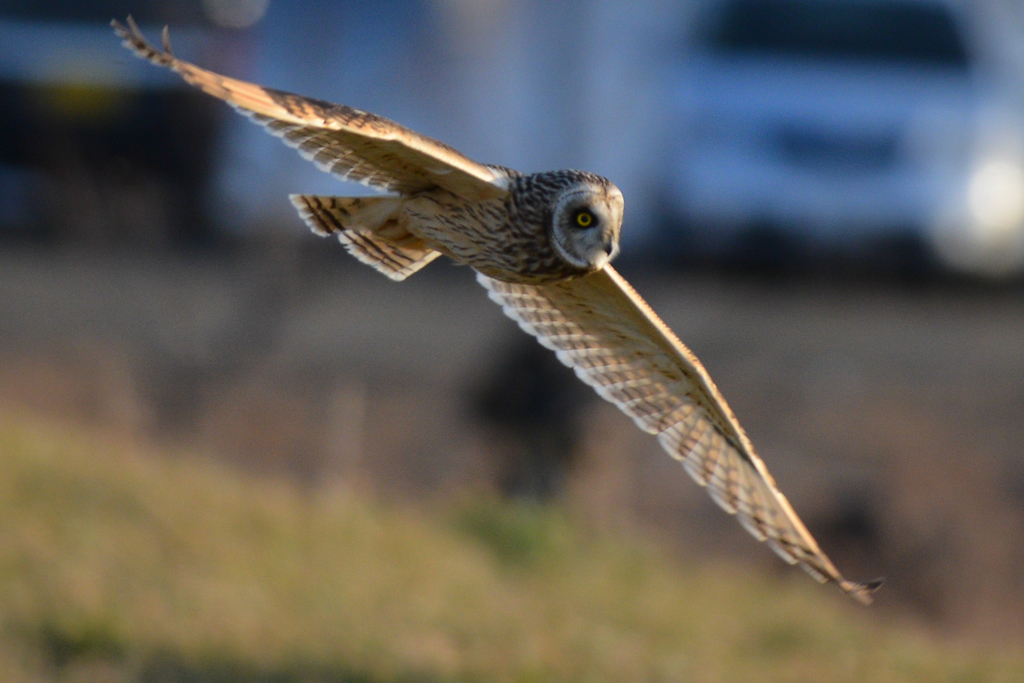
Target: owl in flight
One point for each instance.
(541, 246)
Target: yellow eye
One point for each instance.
(584, 219)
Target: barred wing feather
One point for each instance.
(351, 144)
(599, 326)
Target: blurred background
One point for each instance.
(825, 200)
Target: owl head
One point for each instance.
(585, 222)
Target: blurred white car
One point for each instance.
(847, 123)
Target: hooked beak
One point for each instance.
(611, 247)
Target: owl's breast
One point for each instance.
(495, 237)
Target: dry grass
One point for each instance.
(121, 565)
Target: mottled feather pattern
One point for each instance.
(671, 398)
(495, 237)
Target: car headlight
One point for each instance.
(995, 197)
(982, 230)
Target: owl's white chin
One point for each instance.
(592, 258)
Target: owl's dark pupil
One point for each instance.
(584, 219)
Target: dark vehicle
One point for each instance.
(94, 147)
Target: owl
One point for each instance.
(541, 245)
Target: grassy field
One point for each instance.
(127, 564)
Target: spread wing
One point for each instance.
(354, 145)
(599, 326)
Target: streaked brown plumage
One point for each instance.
(541, 244)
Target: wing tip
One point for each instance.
(132, 38)
(165, 38)
(862, 592)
